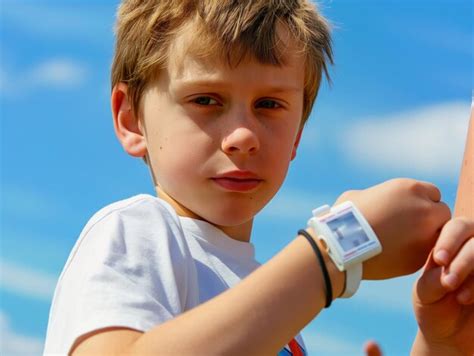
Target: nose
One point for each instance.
(243, 140)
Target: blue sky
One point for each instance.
(398, 107)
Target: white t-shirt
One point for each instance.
(137, 264)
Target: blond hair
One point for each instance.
(231, 29)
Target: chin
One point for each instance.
(230, 221)
(230, 217)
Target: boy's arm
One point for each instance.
(271, 305)
(262, 313)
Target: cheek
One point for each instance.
(279, 161)
(182, 158)
(175, 165)
(282, 144)
(281, 156)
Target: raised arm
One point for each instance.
(269, 307)
(257, 317)
(444, 295)
(465, 195)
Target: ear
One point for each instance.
(127, 126)
(297, 142)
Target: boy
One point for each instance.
(214, 95)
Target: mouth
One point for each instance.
(237, 181)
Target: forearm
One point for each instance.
(256, 317)
(422, 347)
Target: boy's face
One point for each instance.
(220, 140)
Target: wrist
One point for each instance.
(423, 347)
(337, 277)
(347, 239)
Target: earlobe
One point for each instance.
(297, 142)
(126, 125)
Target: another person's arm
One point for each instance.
(444, 313)
(443, 297)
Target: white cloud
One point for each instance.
(12, 343)
(427, 141)
(27, 281)
(53, 73)
(58, 72)
(388, 295)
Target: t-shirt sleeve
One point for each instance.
(131, 268)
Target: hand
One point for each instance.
(444, 306)
(407, 217)
(371, 348)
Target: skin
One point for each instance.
(239, 120)
(371, 348)
(443, 297)
(203, 118)
(400, 205)
(444, 306)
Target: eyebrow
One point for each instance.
(224, 84)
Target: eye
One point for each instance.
(268, 104)
(205, 101)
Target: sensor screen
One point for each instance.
(348, 231)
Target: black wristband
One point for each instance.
(319, 255)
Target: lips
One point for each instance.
(237, 181)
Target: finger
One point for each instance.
(452, 237)
(430, 262)
(441, 214)
(466, 291)
(432, 191)
(460, 267)
(428, 288)
(371, 348)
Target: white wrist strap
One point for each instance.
(353, 278)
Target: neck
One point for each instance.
(239, 232)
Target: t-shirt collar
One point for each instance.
(209, 233)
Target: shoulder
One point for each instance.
(136, 216)
(133, 244)
(137, 240)
(132, 209)
(130, 267)
(133, 227)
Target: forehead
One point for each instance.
(197, 52)
(185, 64)
(248, 73)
